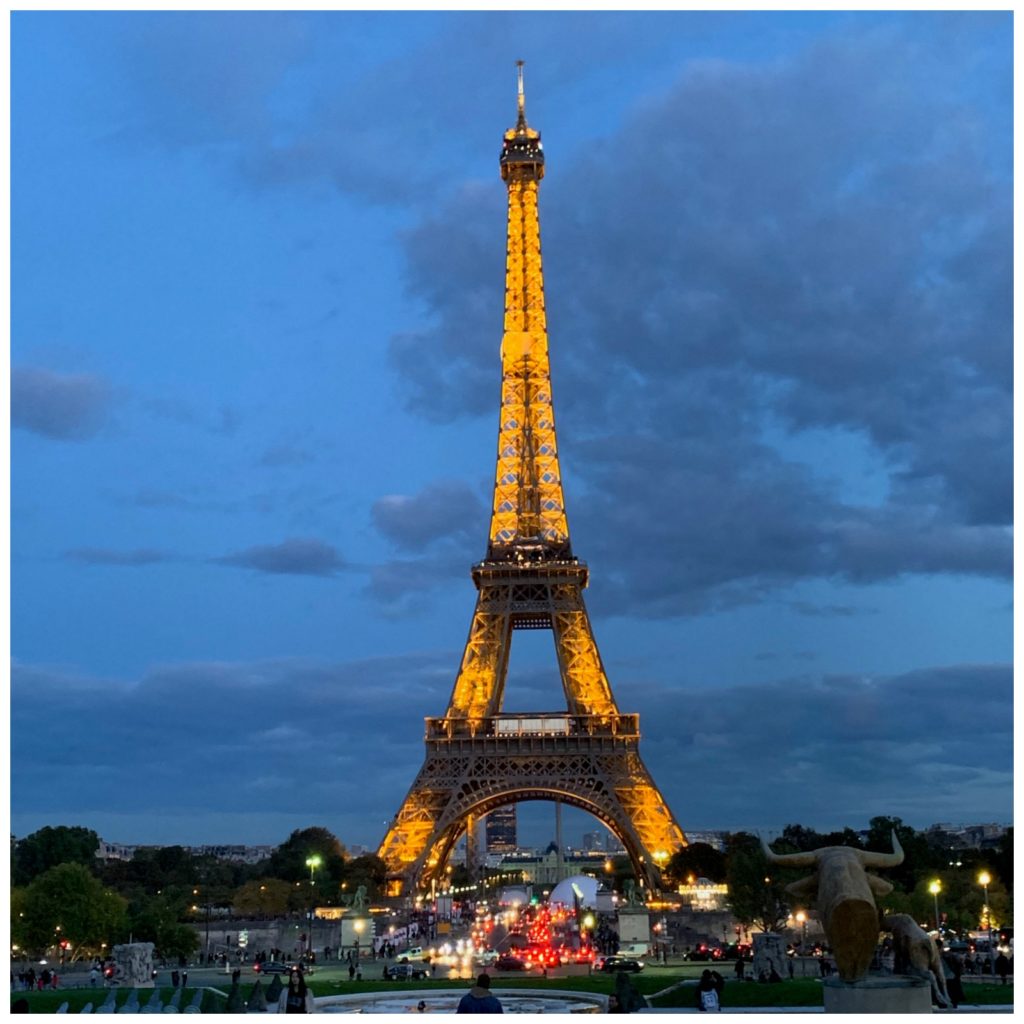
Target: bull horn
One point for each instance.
(883, 860)
(789, 860)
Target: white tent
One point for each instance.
(581, 886)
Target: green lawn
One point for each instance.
(798, 992)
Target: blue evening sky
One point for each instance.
(256, 285)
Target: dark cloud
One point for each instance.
(836, 750)
(401, 587)
(63, 407)
(296, 556)
(820, 243)
(443, 510)
(823, 750)
(345, 729)
(829, 610)
(107, 556)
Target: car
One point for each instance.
(611, 964)
(415, 953)
(506, 962)
(273, 967)
(405, 971)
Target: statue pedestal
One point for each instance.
(896, 994)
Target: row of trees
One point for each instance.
(757, 890)
(63, 896)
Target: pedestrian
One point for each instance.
(1002, 966)
(176, 977)
(479, 999)
(54, 980)
(740, 969)
(296, 998)
(706, 996)
(351, 971)
(184, 978)
(94, 976)
(421, 1006)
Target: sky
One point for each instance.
(256, 289)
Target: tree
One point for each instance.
(289, 860)
(51, 846)
(919, 859)
(156, 920)
(756, 889)
(270, 897)
(68, 903)
(698, 860)
(1002, 859)
(369, 870)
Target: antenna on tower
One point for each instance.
(521, 96)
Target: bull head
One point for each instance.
(807, 887)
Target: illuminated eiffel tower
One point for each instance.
(477, 758)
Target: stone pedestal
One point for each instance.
(769, 955)
(896, 994)
(133, 965)
(634, 925)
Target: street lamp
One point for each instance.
(801, 919)
(935, 887)
(983, 880)
(312, 862)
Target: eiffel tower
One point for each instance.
(477, 758)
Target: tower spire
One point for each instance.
(520, 98)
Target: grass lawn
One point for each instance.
(798, 992)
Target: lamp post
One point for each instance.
(801, 919)
(312, 862)
(935, 887)
(983, 880)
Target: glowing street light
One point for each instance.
(312, 862)
(935, 887)
(801, 919)
(983, 880)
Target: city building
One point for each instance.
(548, 868)
(501, 830)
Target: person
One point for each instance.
(421, 1006)
(296, 998)
(94, 976)
(739, 968)
(706, 995)
(1002, 966)
(479, 999)
(351, 970)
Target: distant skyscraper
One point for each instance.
(593, 841)
(501, 830)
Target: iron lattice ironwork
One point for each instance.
(479, 759)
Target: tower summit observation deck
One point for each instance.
(477, 758)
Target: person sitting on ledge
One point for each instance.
(479, 999)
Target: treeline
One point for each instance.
(64, 898)
(757, 890)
